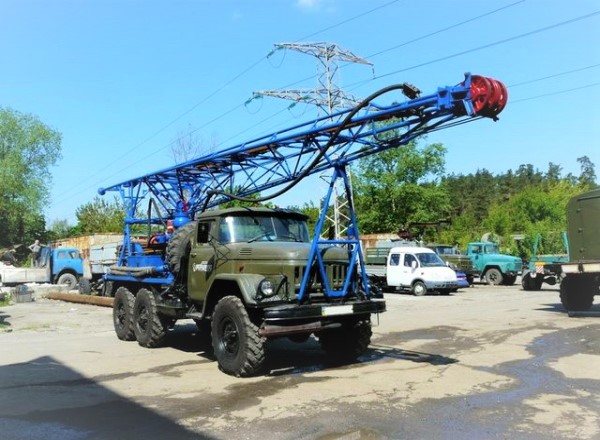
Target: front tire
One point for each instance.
(239, 349)
(493, 277)
(419, 288)
(150, 331)
(67, 279)
(123, 314)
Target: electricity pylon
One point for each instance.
(329, 97)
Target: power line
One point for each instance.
(554, 76)
(556, 93)
(422, 37)
(495, 43)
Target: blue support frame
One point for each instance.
(352, 243)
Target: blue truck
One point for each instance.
(56, 266)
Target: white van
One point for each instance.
(419, 270)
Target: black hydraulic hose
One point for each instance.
(133, 271)
(315, 162)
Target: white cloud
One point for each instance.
(309, 4)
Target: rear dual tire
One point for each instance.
(136, 318)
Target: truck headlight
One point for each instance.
(265, 288)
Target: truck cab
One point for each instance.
(419, 270)
(493, 267)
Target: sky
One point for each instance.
(124, 81)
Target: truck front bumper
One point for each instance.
(439, 285)
(294, 319)
(291, 312)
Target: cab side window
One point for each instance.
(204, 232)
(408, 259)
(394, 259)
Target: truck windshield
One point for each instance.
(430, 260)
(491, 249)
(246, 228)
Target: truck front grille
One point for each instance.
(336, 275)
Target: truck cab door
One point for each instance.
(393, 272)
(409, 266)
(202, 261)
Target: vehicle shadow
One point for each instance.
(45, 399)
(288, 358)
(558, 308)
(285, 357)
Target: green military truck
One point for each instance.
(581, 274)
(237, 273)
(493, 267)
(455, 259)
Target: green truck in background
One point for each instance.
(581, 274)
(493, 267)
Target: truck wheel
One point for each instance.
(509, 280)
(239, 349)
(419, 288)
(530, 283)
(178, 246)
(123, 314)
(85, 287)
(576, 293)
(348, 342)
(526, 281)
(67, 279)
(493, 277)
(150, 330)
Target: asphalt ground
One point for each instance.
(483, 363)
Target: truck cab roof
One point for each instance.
(252, 211)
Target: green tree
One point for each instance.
(100, 216)
(59, 229)
(28, 148)
(399, 186)
(588, 172)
